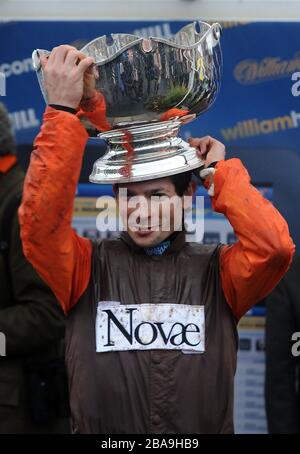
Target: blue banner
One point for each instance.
(255, 107)
(256, 115)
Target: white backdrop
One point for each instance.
(235, 10)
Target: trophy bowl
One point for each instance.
(151, 87)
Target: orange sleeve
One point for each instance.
(95, 110)
(254, 265)
(59, 255)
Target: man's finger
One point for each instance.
(200, 144)
(58, 54)
(81, 55)
(193, 141)
(199, 140)
(72, 57)
(44, 61)
(85, 64)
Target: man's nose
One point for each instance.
(144, 212)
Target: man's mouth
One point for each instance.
(145, 230)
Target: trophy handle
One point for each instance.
(36, 57)
(36, 62)
(214, 29)
(217, 31)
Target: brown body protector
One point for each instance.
(153, 391)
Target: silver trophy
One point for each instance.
(151, 87)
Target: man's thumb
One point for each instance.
(43, 61)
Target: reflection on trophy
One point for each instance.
(151, 87)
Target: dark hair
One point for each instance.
(181, 181)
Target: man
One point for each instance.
(147, 281)
(282, 366)
(31, 321)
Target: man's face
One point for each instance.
(151, 210)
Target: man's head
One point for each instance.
(7, 139)
(156, 206)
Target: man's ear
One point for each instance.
(191, 189)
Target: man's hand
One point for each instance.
(208, 149)
(89, 82)
(64, 73)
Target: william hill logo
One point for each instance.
(253, 71)
(256, 127)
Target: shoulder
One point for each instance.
(199, 256)
(205, 250)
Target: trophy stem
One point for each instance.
(141, 152)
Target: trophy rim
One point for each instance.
(212, 28)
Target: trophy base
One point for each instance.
(144, 152)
